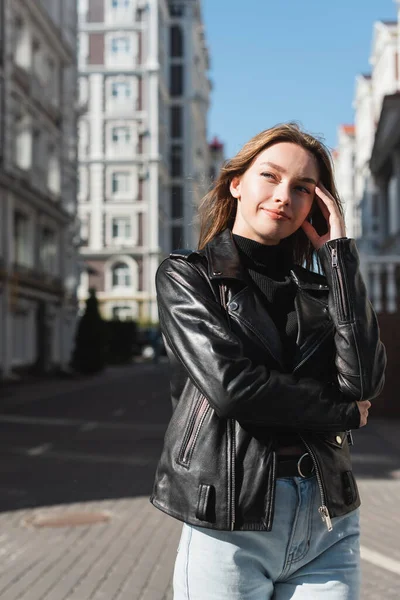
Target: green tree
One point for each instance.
(89, 353)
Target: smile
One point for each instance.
(276, 215)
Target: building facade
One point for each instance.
(374, 159)
(143, 152)
(38, 226)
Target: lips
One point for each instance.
(277, 214)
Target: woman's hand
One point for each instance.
(335, 221)
(363, 407)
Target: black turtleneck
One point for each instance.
(268, 268)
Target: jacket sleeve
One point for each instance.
(196, 329)
(360, 354)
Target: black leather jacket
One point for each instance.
(231, 395)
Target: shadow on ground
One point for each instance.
(103, 442)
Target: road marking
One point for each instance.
(380, 560)
(51, 422)
(132, 461)
(38, 450)
(89, 426)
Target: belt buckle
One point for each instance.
(299, 466)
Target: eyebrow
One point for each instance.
(282, 170)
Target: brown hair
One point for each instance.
(218, 208)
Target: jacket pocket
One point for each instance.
(349, 488)
(206, 503)
(192, 431)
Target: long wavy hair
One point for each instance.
(218, 208)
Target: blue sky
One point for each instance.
(281, 60)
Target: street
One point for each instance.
(77, 465)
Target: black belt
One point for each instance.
(295, 466)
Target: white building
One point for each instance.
(39, 275)
(375, 164)
(344, 160)
(143, 151)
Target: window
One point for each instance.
(23, 141)
(176, 202)
(121, 276)
(176, 41)
(121, 89)
(48, 250)
(121, 182)
(176, 80)
(121, 228)
(120, 45)
(22, 246)
(176, 161)
(176, 10)
(121, 3)
(54, 171)
(122, 313)
(176, 124)
(121, 135)
(176, 237)
(22, 53)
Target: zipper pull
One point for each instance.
(323, 511)
(334, 258)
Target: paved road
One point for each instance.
(87, 451)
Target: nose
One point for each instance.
(282, 193)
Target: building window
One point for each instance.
(176, 10)
(176, 202)
(176, 161)
(22, 239)
(176, 123)
(121, 89)
(54, 171)
(120, 45)
(176, 237)
(22, 54)
(120, 3)
(121, 135)
(23, 141)
(176, 41)
(121, 182)
(176, 80)
(122, 313)
(48, 250)
(121, 276)
(121, 228)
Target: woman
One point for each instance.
(272, 365)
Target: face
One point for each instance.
(275, 194)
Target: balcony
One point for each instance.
(382, 276)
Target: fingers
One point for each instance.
(312, 235)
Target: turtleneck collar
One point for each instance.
(273, 261)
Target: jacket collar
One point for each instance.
(224, 263)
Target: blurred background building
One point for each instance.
(143, 152)
(367, 164)
(38, 228)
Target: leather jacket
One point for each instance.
(231, 395)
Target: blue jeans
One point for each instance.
(299, 559)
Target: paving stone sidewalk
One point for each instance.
(130, 556)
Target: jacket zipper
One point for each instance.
(232, 430)
(313, 349)
(338, 277)
(323, 509)
(193, 431)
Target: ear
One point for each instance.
(235, 186)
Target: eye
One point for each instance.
(303, 189)
(268, 175)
